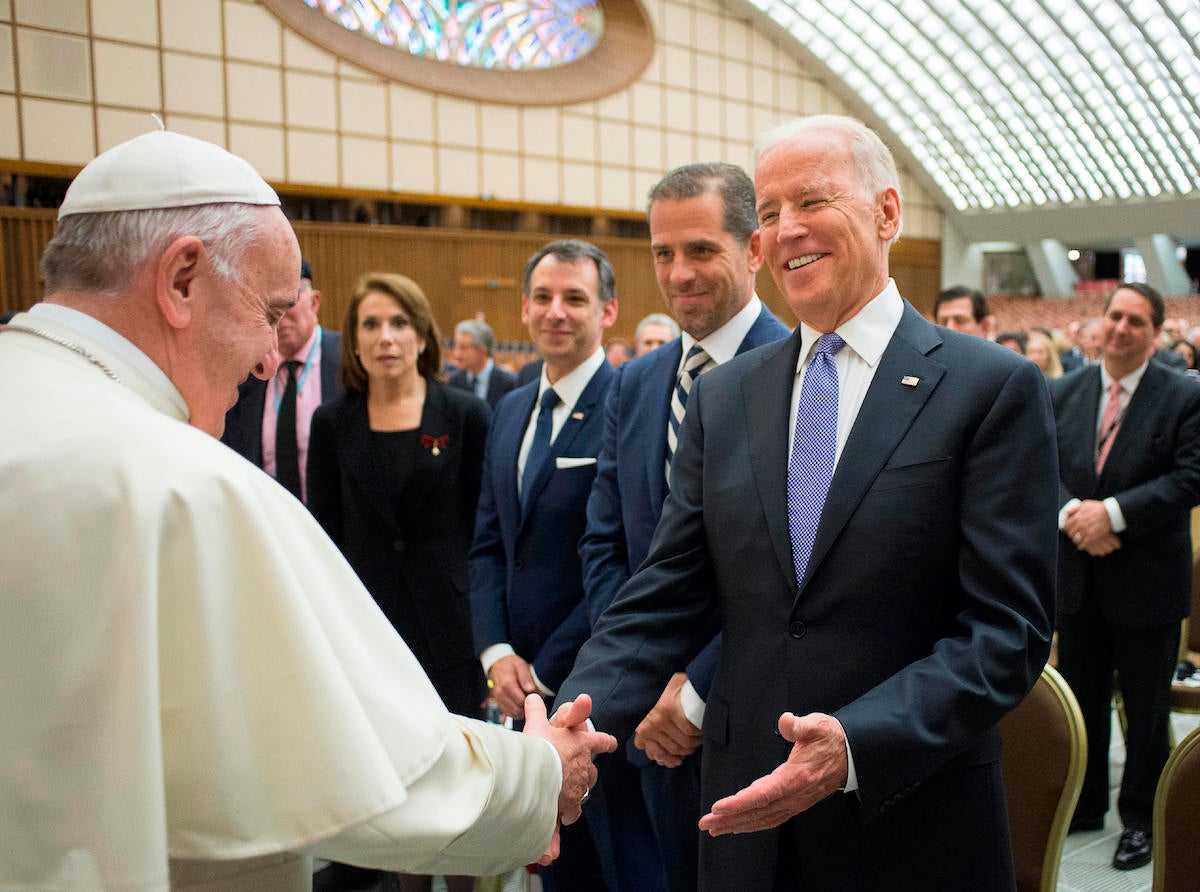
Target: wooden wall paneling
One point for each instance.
(24, 234)
(461, 271)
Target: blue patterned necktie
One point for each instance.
(540, 448)
(814, 450)
(697, 363)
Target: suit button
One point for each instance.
(518, 565)
(797, 629)
(398, 546)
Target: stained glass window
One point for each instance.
(509, 35)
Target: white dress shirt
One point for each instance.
(866, 335)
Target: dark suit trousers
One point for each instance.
(1089, 649)
(577, 868)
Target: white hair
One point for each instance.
(876, 166)
(101, 253)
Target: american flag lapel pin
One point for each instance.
(910, 380)
(578, 416)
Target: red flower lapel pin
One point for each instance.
(435, 444)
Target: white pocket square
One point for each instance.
(562, 462)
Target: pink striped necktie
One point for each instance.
(1109, 425)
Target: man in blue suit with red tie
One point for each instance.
(705, 245)
(527, 604)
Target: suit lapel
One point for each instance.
(652, 400)
(330, 359)
(1075, 411)
(508, 444)
(887, 413)
(767, 393)
(363, 460)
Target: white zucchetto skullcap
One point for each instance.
(162, 169)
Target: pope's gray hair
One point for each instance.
(102, 253)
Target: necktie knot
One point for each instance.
(292, 365)
(550, 400)
(1114, 392)
(829, 344)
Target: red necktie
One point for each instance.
(1109, 425)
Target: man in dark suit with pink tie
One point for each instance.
(1129, 453)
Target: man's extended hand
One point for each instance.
(1089, 527)
(665, 733)
(576, 746)
(815, 768)
(512, 681)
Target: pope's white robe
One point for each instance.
(191, 673)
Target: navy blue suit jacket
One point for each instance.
(243, 423)
(627, 498)
(1153, 470)
(500, 382)
(923, 617)
(526, 582)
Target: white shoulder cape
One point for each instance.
(189, 668)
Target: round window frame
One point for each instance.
(623, 53)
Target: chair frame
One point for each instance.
(1182, 751)
(1073, 781)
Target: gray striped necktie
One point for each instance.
(697, 363)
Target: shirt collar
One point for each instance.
(1129, 383)
(722, 345)
(867, 333)
(91, 327)
(571, 385)
(302, 354)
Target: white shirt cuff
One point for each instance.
(1062, 512)
(542, 689)
(494, 654)
(693, 706)
(1116, 518)
(851, 774)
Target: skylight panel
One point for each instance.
(1092, 112)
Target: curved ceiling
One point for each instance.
(1024, 104)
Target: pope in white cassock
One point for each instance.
(195, 690)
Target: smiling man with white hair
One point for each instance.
(855, 489)
(196, 690)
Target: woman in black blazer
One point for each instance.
(394, 470)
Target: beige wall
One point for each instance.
(77, 76)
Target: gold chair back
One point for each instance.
(1045, 750)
